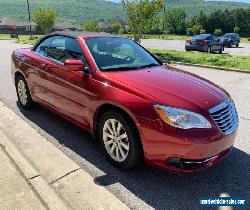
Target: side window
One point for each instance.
(210, 38)
(43, 48)
(61, 48)
(73, 50)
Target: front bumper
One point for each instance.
(185, 150)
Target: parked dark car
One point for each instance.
(230, 39)
(204, 43)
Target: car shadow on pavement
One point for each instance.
(157, 188)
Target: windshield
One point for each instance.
(111, 53)
(202, 36)
(228, 35)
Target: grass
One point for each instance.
(226, 61)
(24, 39)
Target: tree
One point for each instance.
(189, 31)
(237, 29)
(140, 13)
(116, 28)
(196, 29)
(217, 32)
(92, 26)
(175, 21)
(202, 31)
(45, 19)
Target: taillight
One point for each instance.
(203, 42)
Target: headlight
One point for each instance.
(181, 118)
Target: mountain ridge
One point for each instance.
(79, 11)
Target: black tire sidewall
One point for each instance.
(135, 150)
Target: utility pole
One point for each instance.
(28, 4)
(164, 13)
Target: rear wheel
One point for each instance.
(237, 45)
(209, 49)
(23, 93)
(120, 140)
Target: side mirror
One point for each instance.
(74, 65)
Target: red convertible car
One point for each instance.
(138, 108)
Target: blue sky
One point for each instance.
(246, 1)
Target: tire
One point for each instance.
(23, 93)
(221, 50)
(124, 153)
(209, 49)
(237, 45)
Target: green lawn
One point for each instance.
(24, 39)
(226, 61)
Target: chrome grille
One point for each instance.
(225, 116)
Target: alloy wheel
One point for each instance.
(115, 139)
(22, 92)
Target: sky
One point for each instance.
(246, 1)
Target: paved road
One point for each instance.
(243, 50)
(145, 187)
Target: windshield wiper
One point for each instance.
(122, 68)
(130, 67)
(150, 65)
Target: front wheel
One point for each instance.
(120, 140)
(221, 50)
(23, 93)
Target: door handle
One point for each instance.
(44, 66)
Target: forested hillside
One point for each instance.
(193, 7)
(75, 11)
(79, 11)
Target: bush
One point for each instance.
(121, 31)
(196, 29)
(189, 31)
(116, 28)
(217, 32)
(202, 31)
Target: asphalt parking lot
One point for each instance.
(179, 45)
(146, 187)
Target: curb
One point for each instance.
(209, 67)
(38, 185)
(51, 170)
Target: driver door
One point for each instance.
(67, 92)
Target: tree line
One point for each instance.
(154, 17)
(217, 22)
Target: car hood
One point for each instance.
(172, 87)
